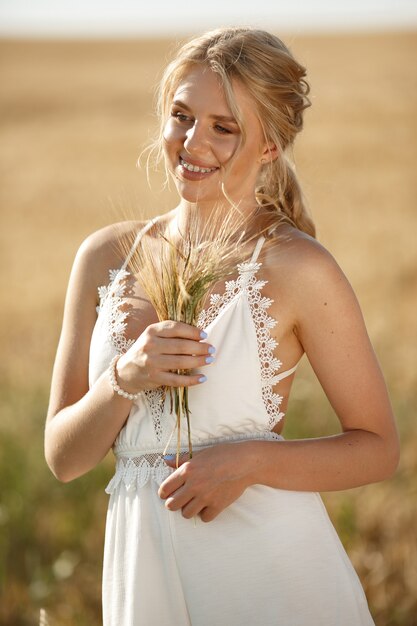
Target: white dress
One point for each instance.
(273, 557)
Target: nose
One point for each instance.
(195, 139)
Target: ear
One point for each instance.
(270, 153)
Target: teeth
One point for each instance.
(196, 168)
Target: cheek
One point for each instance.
(172, 132)
(224, 150)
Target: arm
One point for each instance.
(329, 325)
(83, 423)
(331, 329)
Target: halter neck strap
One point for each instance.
(259, 245)
(138, 237)
(257, 249)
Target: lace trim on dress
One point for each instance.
(232, 288)
(248, 283)
(135, 469)
(135, 472)
(111, 300)
(156, 401)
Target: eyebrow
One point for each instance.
(222, 118)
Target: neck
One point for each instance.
(246, 216)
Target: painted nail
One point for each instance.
(169, 457)
(203, 334)
(211, 350)
(202, 379)
(209, 359)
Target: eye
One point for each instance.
(181, 117)
(222, 130)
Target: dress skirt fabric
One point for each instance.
(272, 558)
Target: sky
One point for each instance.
(89, 18)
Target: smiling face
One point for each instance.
(203, 143)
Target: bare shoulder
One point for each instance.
(297, 259)
(106, 249)
(294, 249)
(305, 275)
(107, 243)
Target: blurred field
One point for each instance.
(73, 118)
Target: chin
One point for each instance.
(195, 196)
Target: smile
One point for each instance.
(196, 168)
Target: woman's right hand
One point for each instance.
(161, 350)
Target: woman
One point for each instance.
(231, 104)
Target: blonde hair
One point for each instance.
(263, 64)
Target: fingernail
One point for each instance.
(169, 457)
(211, 350)
(202, 379)
(203, 334)
(209, 359)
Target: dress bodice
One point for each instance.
(236, 401)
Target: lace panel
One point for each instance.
(137, 470)
(111, 300)
(248, 283)
(156, 400)
(232, 288)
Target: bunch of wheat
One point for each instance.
(178, 271)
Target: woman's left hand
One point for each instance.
(208, 483)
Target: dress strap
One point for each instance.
(275, 379)
(258, 248)
(259, 245)
(138, 237)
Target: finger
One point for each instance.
(171, 379)
(180, 362)
(178, 345)
(169, 328)
(191, 509)
(208, 514)
(171, 484)
(179, 499)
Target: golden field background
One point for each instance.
(74, 117)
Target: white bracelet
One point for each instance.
(116, 388)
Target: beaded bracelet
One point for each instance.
(116, 388)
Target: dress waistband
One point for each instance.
(135, 467)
